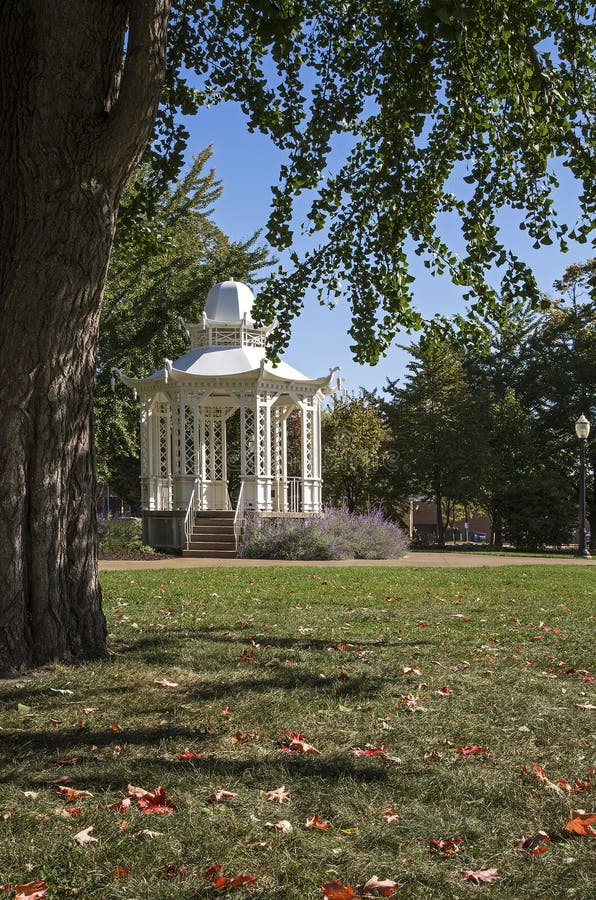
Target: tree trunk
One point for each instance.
(440, 522)
(73, 123)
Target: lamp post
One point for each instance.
(582, 430)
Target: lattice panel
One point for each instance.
(308, 429)
(163, 446)
(249, 440)
(262, 440)
(276, 426)
(189, 440)
(217, 471)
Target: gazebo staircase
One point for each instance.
(212, 535)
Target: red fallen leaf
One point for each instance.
(589, 678)
(69, 793)
(189, 754)
(74, 811)
(226, 710)
(247, 656)
(5, 887)
(174, 871)
(156, 804)
(580, 822)
(444, 691)
(535, 844)
(317, 822)
(120, 872)
(469, 750)
(376, 888)
(116, 728)
(379, 752)
(448, 847)
(422, 625)
(122, 805)
(33, 890)
(335, 890)
(480, 876)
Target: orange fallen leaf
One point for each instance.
(447, 847)
(220, 882)
(245, 737)
(317, 822)
(33, 890)
(391, 817)
(480, 876)
(335, 890)
(70, 794)
(120, 872)
(540, 774)
(221, 796)
(580, 822)
(116, 728)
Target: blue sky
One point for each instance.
(248, 165)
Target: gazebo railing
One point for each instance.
(294, 494)
(190, 510)
(239, 515)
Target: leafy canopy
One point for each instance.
(450, 111)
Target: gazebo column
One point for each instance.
(248, 451)
(278, 490)
(263, 452)
(307, 440)
(146, 454)
(317, 502)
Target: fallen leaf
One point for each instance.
(33, 890)
(540, 774)
(447, 847)
(223, 883)
(391, 817)
(84, 836)
(444, 691)
(122, 805)
(189, 754)
(227, 710)
(469, 750)
(245, 737)
(279, 795)
(317, 822)
(221, 796)
(376, 888)
(155, 803)
(69, 794)
(299, 745)
(411, 670)
(163, 682)
(149, 835)
(480, 876)
(116, 728)
(335, 890)
(120, 872)
(89, 710)
(31, 795)
(284, 826)
(588, 706)
(580, 822)
(373, 752)
(534, 844)
(174, 871)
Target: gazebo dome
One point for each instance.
(229, 301)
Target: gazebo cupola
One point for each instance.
(186, 408)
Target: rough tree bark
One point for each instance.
(74, 119)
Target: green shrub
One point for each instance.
(122, 536)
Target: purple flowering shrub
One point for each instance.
(335, 534)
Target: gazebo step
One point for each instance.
(210, 554)
(213, 528)
(215, 514)
(212, 545)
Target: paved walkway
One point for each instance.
(423, 560)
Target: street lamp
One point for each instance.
(582, 430)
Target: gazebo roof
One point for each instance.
(237, 353)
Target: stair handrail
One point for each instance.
(239, 515)
(189, 517)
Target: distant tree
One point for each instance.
(437, 439)
(354, 440)
(162, 266)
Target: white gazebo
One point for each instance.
(186, 413)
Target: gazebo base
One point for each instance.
(164, 529)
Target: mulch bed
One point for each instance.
(136, 554)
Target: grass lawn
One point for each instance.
(352, 658)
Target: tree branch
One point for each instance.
(130, 120)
